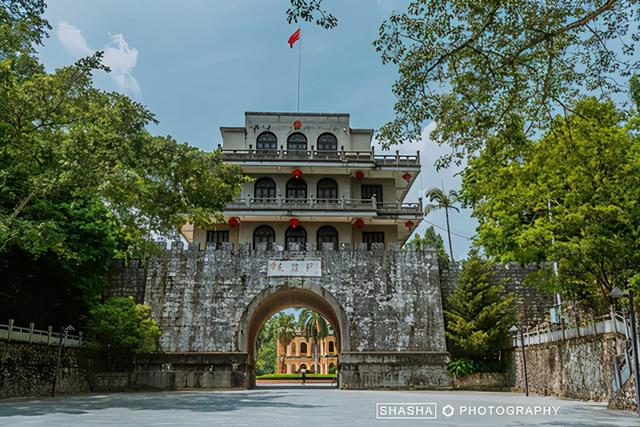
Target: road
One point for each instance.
(295, 405)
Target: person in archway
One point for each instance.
(335, 378)
(303, 371)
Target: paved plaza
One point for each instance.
(289, 405)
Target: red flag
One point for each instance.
(294, 38)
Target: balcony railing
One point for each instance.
(343, 156)
(342, 204)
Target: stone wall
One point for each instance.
(532, 304)
(579, 368)
(27, 370)
(383, 301)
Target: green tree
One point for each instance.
(284, 329)
(441, 200)
(432, 239)
(121, 324)
(82, 180)
(479, 316)
(266, 349)
(571, 197)
(470, 66)
(314, 327)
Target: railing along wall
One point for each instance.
(10, 333)
(326, 204)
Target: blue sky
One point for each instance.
(200, 64)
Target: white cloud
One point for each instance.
(72, 39)
(118, 55)
(122, 59)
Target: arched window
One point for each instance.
(296, 189)
(331, 349)
(264, 189)
(293, 369)
(264, 234)
(303, 350)
(267, 141)
(327, 234)
(327, 189)
(297, 142)
(293, 349)
(327, 142)
(296, 235)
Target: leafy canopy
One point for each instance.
(121, 324)
(433, 240)
(571, 197)
(471, 66)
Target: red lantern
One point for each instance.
(294, 223)
(407, 177)
(359, 223)
(297, 173)
(359, 175)
(297, 124)
(233, 221)
(409, 224)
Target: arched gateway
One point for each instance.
(384, 304)
(274, 299)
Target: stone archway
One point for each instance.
(274, 299)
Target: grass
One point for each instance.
(295, 376)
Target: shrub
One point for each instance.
(479, 316)
(465, 366)
(121, 324)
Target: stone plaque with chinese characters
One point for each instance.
(293, 267)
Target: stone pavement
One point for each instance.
(294, 405)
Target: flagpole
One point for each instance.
(299, 61)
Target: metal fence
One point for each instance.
(11, 332)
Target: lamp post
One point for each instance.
(617, 293)
(63, 337)
(514, 328)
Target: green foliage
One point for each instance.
(121, 324)
(310, 11)
(571, 197)
(433, 239)
(314, 327)
(81, 178)
(463, 366)
(479, 317)
(471, 66)
(283, 327)
(333, 370)
(266, 349)
(634, 89)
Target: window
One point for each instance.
(327, 142)
(370, 237)
(332, 349)
(296, 189)
(327, 189)
(303, 350)
(297, 142)
(293, 348)
(295, 235)
(217, 237)
(265, 188)
(267, 141)
(367, 192)
(264, 234)
(327, 234)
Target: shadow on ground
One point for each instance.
(187, 401)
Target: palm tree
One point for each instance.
(314, 327)
(440, 200)
(284, 328)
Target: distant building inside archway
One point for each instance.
(299, 352)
